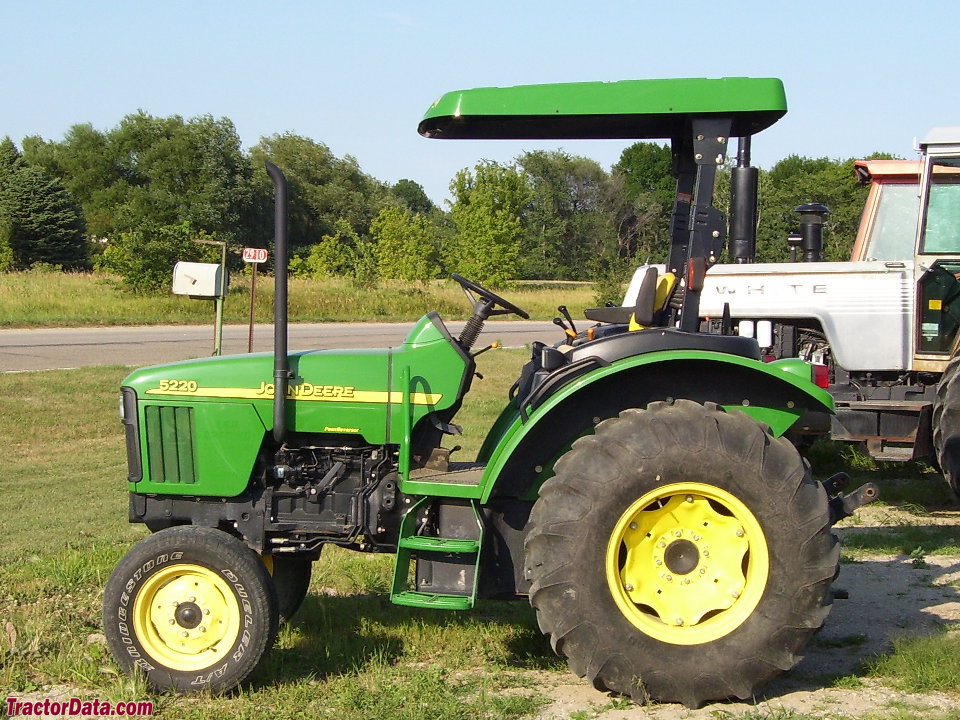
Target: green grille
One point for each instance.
(170, 451)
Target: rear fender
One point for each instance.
(520, 453)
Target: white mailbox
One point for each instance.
(198, 279)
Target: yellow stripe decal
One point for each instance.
(303, 391)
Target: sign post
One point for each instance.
(255, 256)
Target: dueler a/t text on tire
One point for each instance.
(192, 608)
(681, 554)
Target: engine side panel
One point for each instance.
(864, 308)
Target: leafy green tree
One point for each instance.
(145, 258)
(406, 247)
(487, 209)
(344, 253)
(640, 201)
(797, 180)
(324, 189)
(10, 164)
(566, 220)
(39, 221)
(151, 172)
(412, 195)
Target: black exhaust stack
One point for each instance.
(743, 206)
(813, 216)
(281, 369)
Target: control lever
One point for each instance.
(566, 314)
(492, 346)
(567, 331)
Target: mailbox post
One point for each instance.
(205, 280)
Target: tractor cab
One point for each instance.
(911, 220)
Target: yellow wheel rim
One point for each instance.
(687, 563)
(186, 617)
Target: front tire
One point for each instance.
(681, 554)
(192, 608)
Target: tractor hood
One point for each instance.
(329, 389)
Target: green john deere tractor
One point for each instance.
(637, 486)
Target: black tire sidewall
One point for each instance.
(291, 580)
(771, 482)
(230, 560)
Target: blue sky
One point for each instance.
(860, 76)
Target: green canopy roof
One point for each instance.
(629, 109)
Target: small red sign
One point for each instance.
(254, 255)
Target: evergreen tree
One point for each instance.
(39, 221)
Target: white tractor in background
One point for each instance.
(885, 324)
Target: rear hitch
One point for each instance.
(841, 505)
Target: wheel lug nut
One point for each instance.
(633, 526)
(696, 538)
(677, 533)
(668, 578)
(172, 621)
(658, 562)
(735, 593)
(739, 532)
(191, 599)
(628, 588)
(661, 544)
(185, 633)
(202, 629)
(679, 621)
(689, 498)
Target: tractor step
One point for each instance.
(446, 561)
(461, 479)
(412, 598)
(429, 543)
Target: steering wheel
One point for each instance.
(492, 299)
(484, 306)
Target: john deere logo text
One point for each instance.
(309, 390)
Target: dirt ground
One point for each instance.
(888, 596)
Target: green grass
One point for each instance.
(44, 298)
(921, 664)
(913, 485)
(913, 540)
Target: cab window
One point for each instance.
(894, 229)
(942, 232)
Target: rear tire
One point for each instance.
(681, 554)
(291, 579)
(946, 424)
(192, 608)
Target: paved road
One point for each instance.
(50, 348)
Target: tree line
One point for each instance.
(133, 200)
